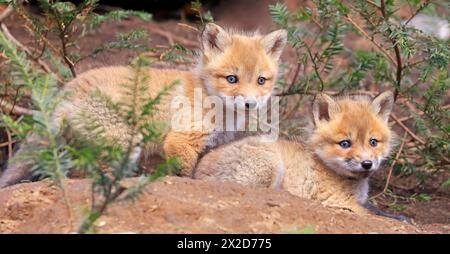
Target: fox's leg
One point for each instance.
(377, 211)
(187, 147)
(19, 169)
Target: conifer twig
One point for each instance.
(6, 13)
(39, 61)
(68, 204)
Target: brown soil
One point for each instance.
(426, 212)
(181, 205)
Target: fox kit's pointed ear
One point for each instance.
(382, 104)
(214, 39)
(324, 108)
(274, 43)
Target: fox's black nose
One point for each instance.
(250, 104)
(366, 164)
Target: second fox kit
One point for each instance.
(349, 141)
(231, 64)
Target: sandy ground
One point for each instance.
(181, 205)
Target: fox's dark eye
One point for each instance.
(232, 79)
(345, 143)
(261, 80)
(373, 142)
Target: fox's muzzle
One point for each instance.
(251, 104)
(366, 164)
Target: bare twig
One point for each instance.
(288, 93)
(406, 188)
(314, 20)
(411, 133)
(44, 47)
(171, 38)
(445, 158)
(66, 58)
(8, 11)
(399, 69)
(332, 93)
(10, 149)
(7, 143)
(398, 56)
(373, 4)
(422, 6)
(316, 68)
(411, 107)
(370, 38)
(391, 167)
(70, 63)
(188, 27)
(63, 38)
(17, 110)
(410, 65)
(297, 71)
(15, 99)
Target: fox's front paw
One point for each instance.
(402, 218)
(377, 211)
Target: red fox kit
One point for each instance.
(231, 64)
(349, 141)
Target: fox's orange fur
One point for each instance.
(319, 168)
(247, 56)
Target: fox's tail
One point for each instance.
(19, 168)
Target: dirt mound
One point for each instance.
(181, 205)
